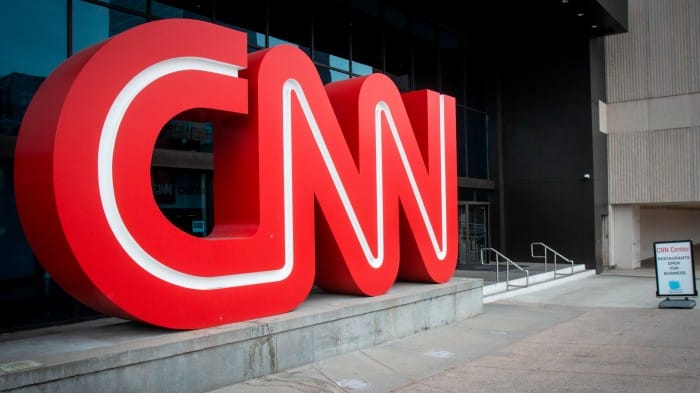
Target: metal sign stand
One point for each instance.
(677, 303)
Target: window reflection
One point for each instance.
(244, 16)
(16, 90)
(477, 145)
(256, 40)
(332, 35)
(361, 69)
(34, 43)
(290, 21)
(31, 48)
(367, 48)
(183, 196)
(332, 61)
(461, 114)
(274, 41)
(93, 24)
(182, 9)
(34, 37)
(398, 59)
(136, 5)
(328, 75)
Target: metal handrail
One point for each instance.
(505, 259)
(556, 254)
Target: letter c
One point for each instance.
(88, 135)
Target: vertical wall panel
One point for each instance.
(653, 79)
(655, 167)
(625, 69)
(660, 55)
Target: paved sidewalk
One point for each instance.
(603, 333)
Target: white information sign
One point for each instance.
(675, 271)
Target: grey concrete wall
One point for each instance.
(128, 357)
(653, 95)
(655, 167)
(659, 56)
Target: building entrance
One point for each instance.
(473, 231)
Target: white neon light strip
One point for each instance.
(105, 156)
(108, 139)
(381, 109)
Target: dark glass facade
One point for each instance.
(414, 45)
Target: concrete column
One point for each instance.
(624, 236)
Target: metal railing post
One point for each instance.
(545, 249)
(507, 261)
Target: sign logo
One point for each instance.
(350, 186)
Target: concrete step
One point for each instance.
(539, 279)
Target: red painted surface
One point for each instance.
(350, 185)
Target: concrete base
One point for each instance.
(677, 303)
(110, 355)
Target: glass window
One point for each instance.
(367, 39)
(328, 60)
(93, 24)
(473, 194)
(185, 134)
(337, 62)
(328, 75)
(332, 35)
(34, 43)
(425, 55)
(201, 9)
(452, 80)
(477, 145)
(244, 16)
(331, 61)
(136, 5)
(34, 36)
(361, 69)
(425, 74)
(461, 114)
(274, 41)
(290, 22)
(18, 259)
(395, 17)
(183, 195)
(398, 59)
(475, 74)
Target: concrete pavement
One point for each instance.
(602, 333)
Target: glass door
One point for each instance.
(462, 233)
(473, 231)
(477, 231)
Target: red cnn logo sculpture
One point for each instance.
(350, 186)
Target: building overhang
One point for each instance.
(592, 18)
